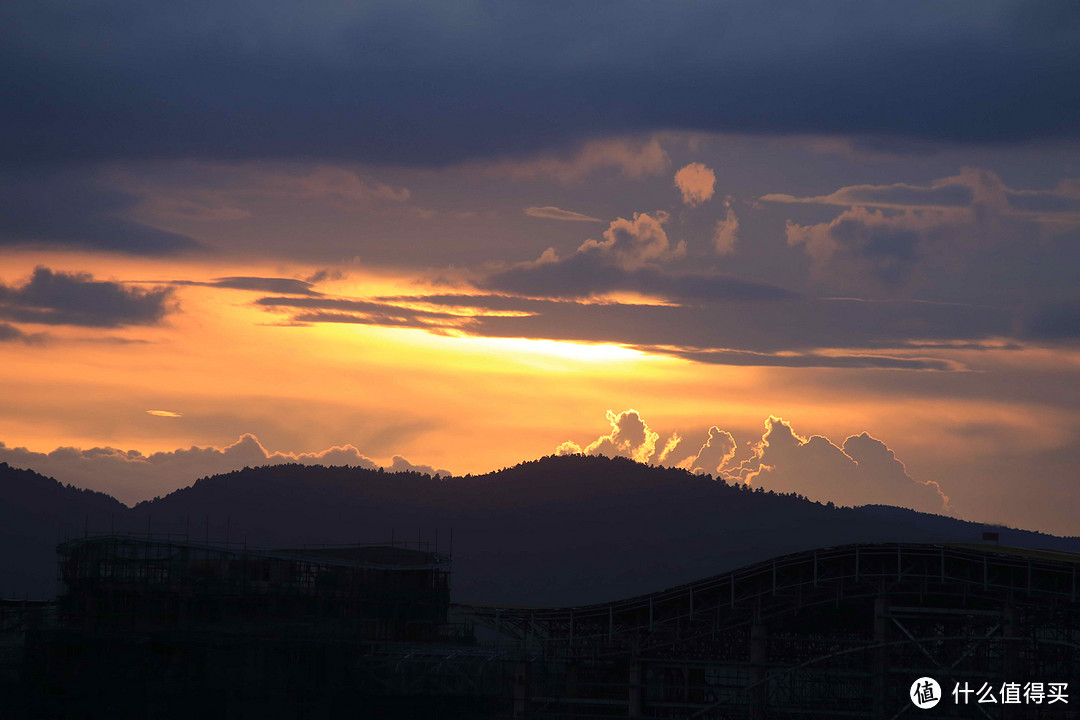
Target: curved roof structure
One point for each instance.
(970, 573)
(833, 632)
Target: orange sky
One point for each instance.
(477, 315)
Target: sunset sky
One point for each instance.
(839, 242)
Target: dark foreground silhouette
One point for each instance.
(557, 531)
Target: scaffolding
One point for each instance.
(155, 582)
(834, 632)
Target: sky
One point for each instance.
(829, 248)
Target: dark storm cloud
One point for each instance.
(57, 298)
(69, 210)
(439, 82)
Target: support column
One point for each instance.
(635, 703)
(759, 655)
(1011, 655)
(879, 657)
(521, 689)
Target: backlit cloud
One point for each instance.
(864, 471)
(629, 437)
(718, 450)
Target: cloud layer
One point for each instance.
(404, 83)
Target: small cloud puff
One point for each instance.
(696, 183)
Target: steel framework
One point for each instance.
(834, 632)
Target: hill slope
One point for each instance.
(556, 531)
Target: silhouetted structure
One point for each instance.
(375, 592)
(149, 627)
(834, 632)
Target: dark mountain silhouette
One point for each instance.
(34, 512)
(556, 531)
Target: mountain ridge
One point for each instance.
(558, 530)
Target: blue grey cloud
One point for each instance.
(430, 83)
(57, 298)
(68, 209)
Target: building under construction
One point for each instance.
(374, 592)
(149, 627)
(836, 633)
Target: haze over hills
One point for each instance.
(557, 531)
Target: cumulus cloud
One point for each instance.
(626, 259)
(630, 437)
(717, 452)
(58, 298)
(669, 447)
(726, 233)
(696, 183)
(550, 212)
(633, 244)
(131, 476)
(863, 471)
(400, 464)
